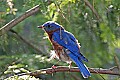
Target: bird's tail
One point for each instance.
(83, 69)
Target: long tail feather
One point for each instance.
(83, 57)
(83, 69)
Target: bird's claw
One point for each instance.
(53, 69)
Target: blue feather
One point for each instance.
(83, 69)
(69, 42)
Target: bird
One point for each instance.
(66, 46)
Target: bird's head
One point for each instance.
(50, 26)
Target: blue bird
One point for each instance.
(66, 46)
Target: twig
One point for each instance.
(72, 69)
(61, 12)
(25, 41)
(17, 20)
(117, 62)
(92, 8)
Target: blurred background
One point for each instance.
(26, 48)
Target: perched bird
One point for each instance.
(65, 45)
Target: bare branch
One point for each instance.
(117, 62)
(16, 35)
(92, 8)
(72, 69)
(61, 12)
(17, 20)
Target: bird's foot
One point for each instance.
(53, 67)
(70, 64)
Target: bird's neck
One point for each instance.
(52, 31)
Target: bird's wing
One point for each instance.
(68, 41)
(64, 40)
(71, 36)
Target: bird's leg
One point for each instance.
(54, 65)
(70, 64)
(53, 69)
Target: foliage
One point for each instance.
(24, 77)
(99, 39)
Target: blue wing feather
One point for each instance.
(71, 36)
(64, 40)
(68, 41)
(83, 69)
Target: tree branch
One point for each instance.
(36, 73)
(17, 20)
(16, 35)
(93, 9)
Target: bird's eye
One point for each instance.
(49, 26)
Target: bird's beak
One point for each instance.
(40, 27)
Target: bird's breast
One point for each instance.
(61, 52)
